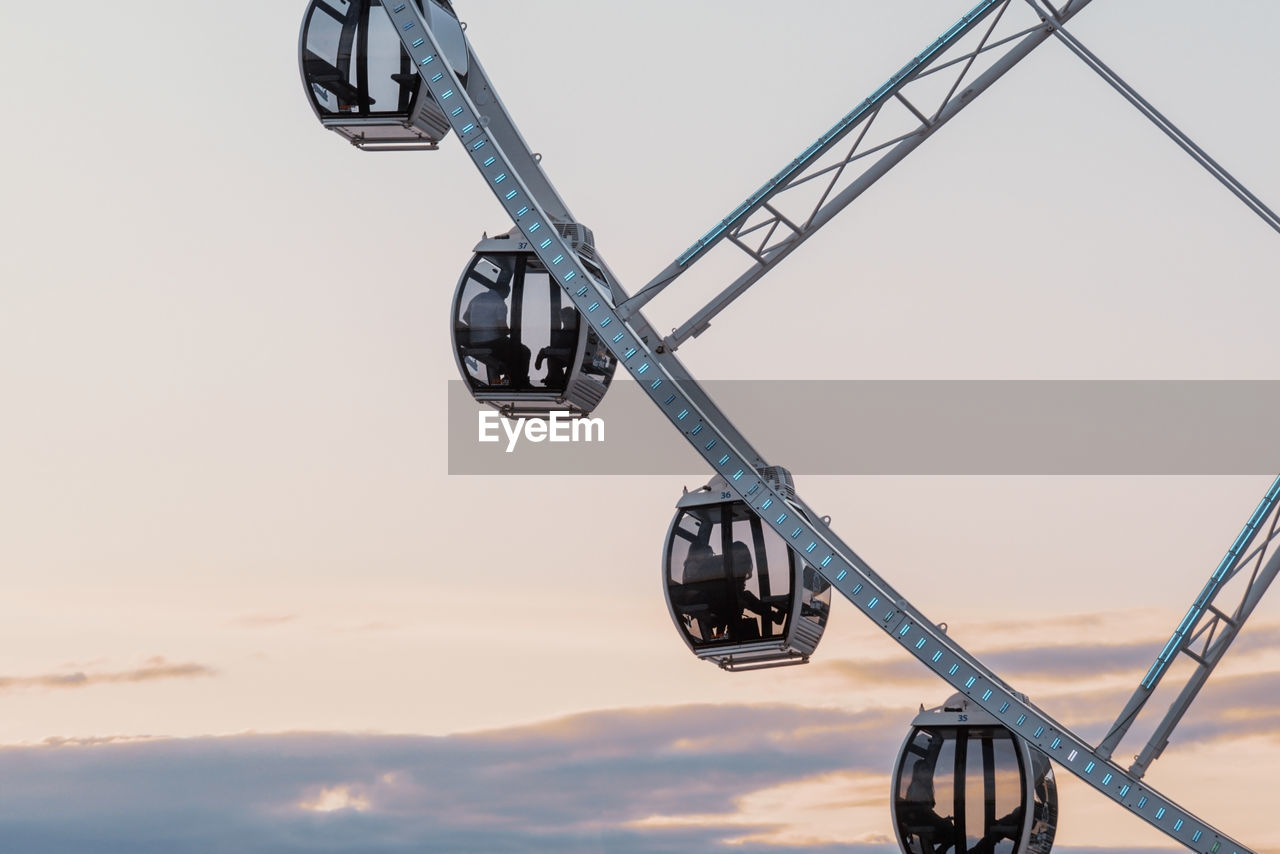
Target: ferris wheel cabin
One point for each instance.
(361, 83)
(738, 594)
(965, 780)
(520, 344)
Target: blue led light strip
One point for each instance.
(1220, 575)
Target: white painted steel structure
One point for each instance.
(766, 234)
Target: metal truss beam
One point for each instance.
(1239, 190)
(760, 230)
(1206, 632)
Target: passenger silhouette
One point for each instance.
(916, 812)
(714, 592)
(559, 354)
(743, 569)
(489, 338)
(702, 564)
(1009, 827)
(704, 593)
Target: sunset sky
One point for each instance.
(245, 606)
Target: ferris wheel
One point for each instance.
(541, 325)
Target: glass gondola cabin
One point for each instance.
(739, 596)
(520, 344)
(361, 82)
(964, 782)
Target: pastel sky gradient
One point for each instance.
(245, 607)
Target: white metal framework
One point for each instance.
(897, 118)
(1207, 631)
(767, 232)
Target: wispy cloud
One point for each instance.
(1085, 685)
(1229, 707)
(94, 740)
(649, 780)
(676, 780)
(151, 670)
(1232, 707)
(1056, 661)
(1060, 622)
